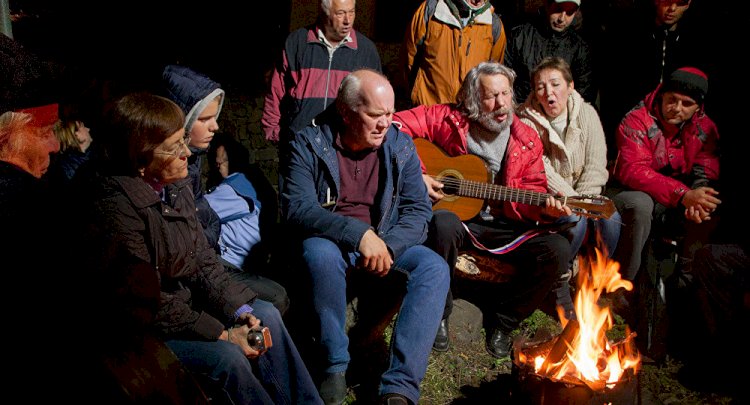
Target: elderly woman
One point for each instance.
(575, 154)
(204, 316)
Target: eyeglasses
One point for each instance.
(180, 150)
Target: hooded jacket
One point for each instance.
(665, 166)
(193, 91)
(436, 66)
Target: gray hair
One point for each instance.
(325, 6)
(349, 96)
(469, 98)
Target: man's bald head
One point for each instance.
(366, 103)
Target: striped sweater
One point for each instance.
(306, 80)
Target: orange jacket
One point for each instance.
(448, 52)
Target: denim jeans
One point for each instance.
(279, 376)
(608, 229)
(418, 317)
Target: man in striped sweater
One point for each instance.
(313, 63)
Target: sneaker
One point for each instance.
(333, 389)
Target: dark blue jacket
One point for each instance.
(312, 175)
(193, 91)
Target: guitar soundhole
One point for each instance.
(450, 186)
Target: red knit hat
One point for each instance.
(43, 116)
(688, 81)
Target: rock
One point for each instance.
(465, 322)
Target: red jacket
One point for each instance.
(664, 166)
(445, 126)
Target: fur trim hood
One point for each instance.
(192, 91)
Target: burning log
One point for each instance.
(581, 363)
(559, 350)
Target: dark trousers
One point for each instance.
(539, 261)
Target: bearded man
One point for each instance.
(483, 123)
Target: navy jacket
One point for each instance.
(312, 175)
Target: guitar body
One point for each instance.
(467, 185)
(465, 167)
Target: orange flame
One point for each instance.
(590, 357)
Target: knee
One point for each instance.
(435, 268)
(559, 247)
(319, 251)
(635, 204)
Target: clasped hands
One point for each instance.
(700, 203)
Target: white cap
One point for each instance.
(578, 2)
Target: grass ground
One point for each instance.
(466, 374)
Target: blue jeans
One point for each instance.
(279, 376)
(418, 318)
(608, 229)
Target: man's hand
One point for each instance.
(701, 200)
(555, 209)
(375, 256)
(434, 188)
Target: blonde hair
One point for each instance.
(65, 131)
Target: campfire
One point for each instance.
(582, 355)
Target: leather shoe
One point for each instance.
(498, 344)
(441, 338)
(333, 388)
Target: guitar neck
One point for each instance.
(487, 191)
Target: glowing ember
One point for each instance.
(582, 351)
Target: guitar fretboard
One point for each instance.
(486, 191)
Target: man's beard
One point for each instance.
(488, 121)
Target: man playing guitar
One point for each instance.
(483, 123)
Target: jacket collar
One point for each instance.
(312, 37)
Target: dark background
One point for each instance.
(76, 45)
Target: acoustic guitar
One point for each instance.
(467, 186)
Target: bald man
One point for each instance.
(353, 192)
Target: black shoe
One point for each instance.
(333, 389)
(441, 338)
(498, 344)
(394, 399)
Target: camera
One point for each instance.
(260, 340)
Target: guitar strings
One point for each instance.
(482, 190)
(485, 190)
